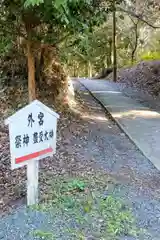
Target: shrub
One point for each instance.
(151, 56)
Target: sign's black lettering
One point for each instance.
(30, 120)
(46, 136)
(25, 140)
(41, 136)
(18, 141)
(51, 134)
(40, 117)
(35, 137)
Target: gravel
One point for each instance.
(96, 142)
(21, 223)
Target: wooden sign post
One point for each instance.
(32, 133)
(32, 182)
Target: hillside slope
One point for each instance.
(144, 77)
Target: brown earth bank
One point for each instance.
(50, 77)
(144, 77)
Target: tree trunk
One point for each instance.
(74, 69)
(109, 56)
(86, 70)
(89, 69)
(136, 43)
(31, 73)
(39, 63)
(114, 44)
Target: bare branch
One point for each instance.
(137, 16)
(134, 23)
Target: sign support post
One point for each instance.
(33, 166)
(32, 182)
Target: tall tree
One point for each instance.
(114, 43)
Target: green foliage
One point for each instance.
(151, 56)
(50, 21)
(127, 63)
(76, 184)
(70, 15)
(33, 3)
(39, 234)
(5, 45)
(100, 217)
(117, 217)
(92, 48)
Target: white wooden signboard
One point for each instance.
(32, 133)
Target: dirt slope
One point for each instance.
(144, 76)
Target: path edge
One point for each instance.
(116, 121)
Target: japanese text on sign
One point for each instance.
(37, 137)
(31, 121)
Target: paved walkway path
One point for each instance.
(141, 124)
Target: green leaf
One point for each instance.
(42, 234)
(59, 3)
(77, 185)
(29, 3)
(121, 17)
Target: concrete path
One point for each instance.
(141, 124)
